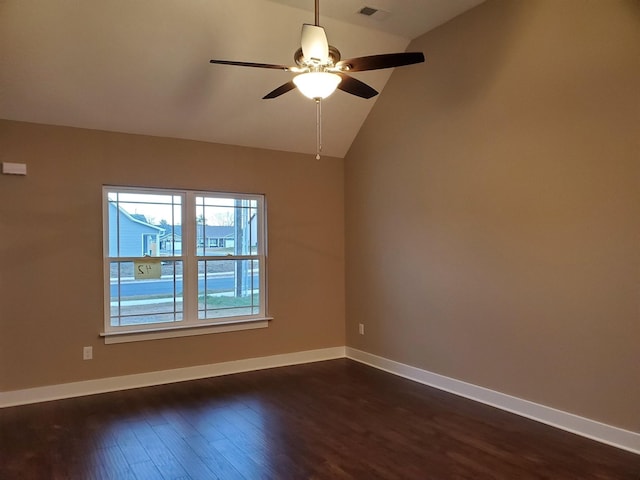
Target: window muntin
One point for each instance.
(207, 247)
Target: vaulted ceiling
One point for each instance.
(143, 66)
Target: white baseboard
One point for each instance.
(111, 384)
(600, 432)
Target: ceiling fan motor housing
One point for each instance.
(334, 56)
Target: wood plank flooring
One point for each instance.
(327, 420)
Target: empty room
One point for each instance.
(320, 239)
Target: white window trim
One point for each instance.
(184, 331)
(190, 325)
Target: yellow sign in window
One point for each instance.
(147, 269)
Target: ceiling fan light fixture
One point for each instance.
(317, 85)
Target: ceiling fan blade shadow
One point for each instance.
(282, 89)
(250, 64)
(356, 87)
(377, 62)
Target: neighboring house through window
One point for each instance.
(137, 236)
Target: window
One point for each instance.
(176, 259)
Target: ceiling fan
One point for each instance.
(320, 69)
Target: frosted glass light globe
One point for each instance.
(317, 84)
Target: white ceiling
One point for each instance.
(142, 66)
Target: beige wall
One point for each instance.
(493, 207)
(51, 248)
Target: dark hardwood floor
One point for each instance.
(326, 420)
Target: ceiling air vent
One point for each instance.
(367, 11)
(374, 13)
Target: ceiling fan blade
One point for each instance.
(250, 64)
(315, 46)
(282, 89)
(356, 87)
(376, 62)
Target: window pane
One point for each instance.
(226, 226)
(142, 224)
(137, 302)
(228, 288)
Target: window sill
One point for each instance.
(184, 331)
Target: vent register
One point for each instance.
(374, 13)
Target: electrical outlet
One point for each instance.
(87, 353)
(361, 328)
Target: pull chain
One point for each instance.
(318, 127)
(318, 100)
